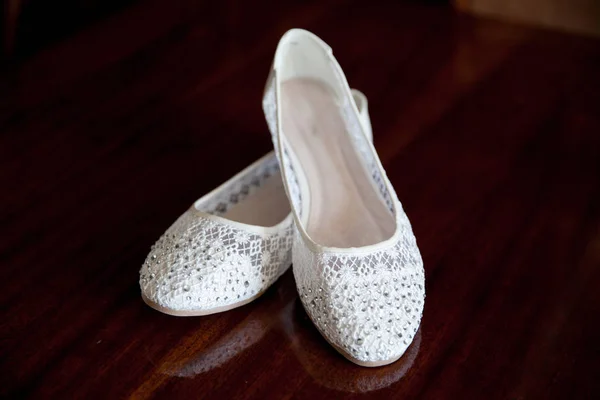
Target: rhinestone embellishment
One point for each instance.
(370, 304)
(201, 263)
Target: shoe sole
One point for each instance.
(202, 313)
(199, 313)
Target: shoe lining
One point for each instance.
(266, 206)
(345, 209)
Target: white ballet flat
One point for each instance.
(356, 262)
(229, 247)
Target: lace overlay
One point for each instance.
(201, 263)
(363, 147)
(368, 304)
(270, 110)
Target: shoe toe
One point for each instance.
(201, 266)
(368, 307)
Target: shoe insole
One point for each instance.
(345, 209)
(266, 206)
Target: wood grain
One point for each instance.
(576, 16)
(490, 133)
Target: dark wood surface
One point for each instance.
(490, 133)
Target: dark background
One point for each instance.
(116, 116)
(31, 25)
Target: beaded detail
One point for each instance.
(369, 304)
(367, 301)
(205, 262)
(201, 264)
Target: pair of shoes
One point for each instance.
(230, 246)
(323, 201)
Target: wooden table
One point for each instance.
(490, 133)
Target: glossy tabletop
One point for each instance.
(490, 133)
